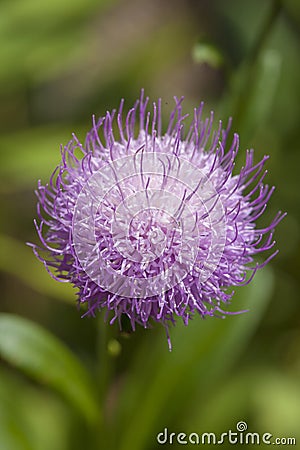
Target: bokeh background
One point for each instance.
(60, 62)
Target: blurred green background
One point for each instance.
(68, 383)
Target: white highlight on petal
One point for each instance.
(148, 208)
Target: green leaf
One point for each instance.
(42, 356)
(292, 7)
(276, 399)
(18, 260)
(252, 93)
(30, 417)
(39, 37)
(14, 434)
(202, 352)
(262, 92)
(30, 155)
(270, 397)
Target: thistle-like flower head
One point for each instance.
(154, 225)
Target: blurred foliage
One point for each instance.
(33, 350)
(61, 62)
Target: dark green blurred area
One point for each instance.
(61, 62)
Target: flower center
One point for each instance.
(149, 234)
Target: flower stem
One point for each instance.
(103, 358)
(103, 374)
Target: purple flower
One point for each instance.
(154, 225)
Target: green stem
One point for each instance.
(103, 374)
(108, 349)
(104, 360)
